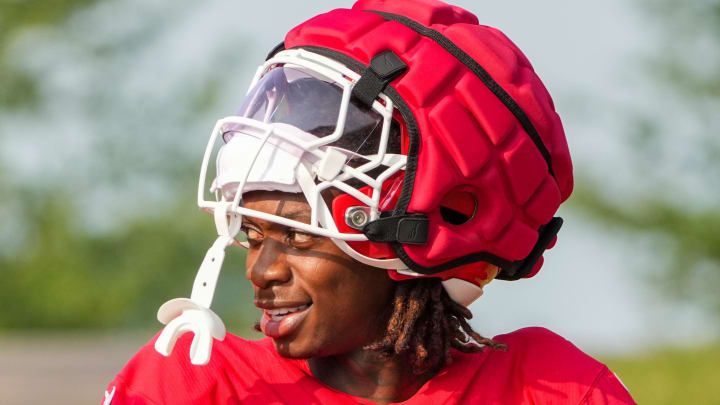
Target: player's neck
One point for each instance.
(364, 373)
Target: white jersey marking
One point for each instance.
(109, 396)
(622, 383)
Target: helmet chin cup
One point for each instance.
(183, 315)
(461, 291)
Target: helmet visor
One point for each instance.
(311, 103)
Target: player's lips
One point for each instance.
(282, 319)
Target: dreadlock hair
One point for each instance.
(425, 324)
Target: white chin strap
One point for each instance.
(181, 315)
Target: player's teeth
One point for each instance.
(278, 314)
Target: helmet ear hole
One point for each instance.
(458, 207)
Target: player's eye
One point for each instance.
(299, 239)
(253, 235)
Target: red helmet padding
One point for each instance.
(468, 137)
(476, 273)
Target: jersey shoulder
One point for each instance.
(551, 369)
(151, 378)
(545, 356)
(548, 352)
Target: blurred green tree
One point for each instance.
(66, 277)
(18, 86)
(675, 136)
(96, 228)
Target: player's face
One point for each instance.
(316, 300)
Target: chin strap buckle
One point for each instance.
(181, 315)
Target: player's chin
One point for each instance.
(295, 348)
(307, 342)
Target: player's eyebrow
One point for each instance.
(300, 215)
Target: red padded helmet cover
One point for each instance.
(468, 138)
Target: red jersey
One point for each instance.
(539, 367)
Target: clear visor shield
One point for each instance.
(307, 101)
(298, 130)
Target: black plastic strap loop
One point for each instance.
(411, 229)
(384, 68)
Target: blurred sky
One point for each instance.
(587, 53)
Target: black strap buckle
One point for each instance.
(410, 229)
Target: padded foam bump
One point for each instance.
(494, 211)
(525, 167)
(452, 241)
(471, 150)
(534, 98)
(562, 163)
(399, 39)
(544, 203)
(424, 82)
(516, 241)
(440, 184)
(502, 38)
(497, 59)
(494, 118)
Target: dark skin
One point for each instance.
(348, 301)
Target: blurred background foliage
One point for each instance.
(18, 87)
(673, 188)
(99, 218)
(100, 227)
(671, 376)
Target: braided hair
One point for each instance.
(425, 324)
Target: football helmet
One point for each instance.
(424, 143)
